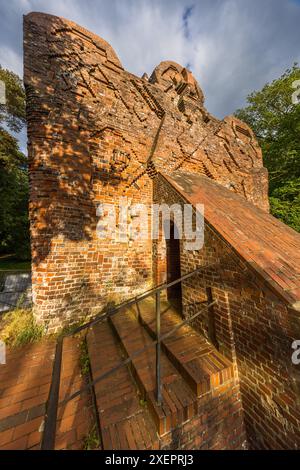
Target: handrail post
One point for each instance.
(158, 349)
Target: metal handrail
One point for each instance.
(133, 356)
(110, 312)
(48, 439)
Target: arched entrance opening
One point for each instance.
(174, 293)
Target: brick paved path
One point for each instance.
(24, 386)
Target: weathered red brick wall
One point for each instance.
(95, 133)
(83, 150)
(219, 424)
(254, 328)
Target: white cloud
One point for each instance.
(233, 46)
(10, 59)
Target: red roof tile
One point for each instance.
(270, 247)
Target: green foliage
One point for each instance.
(10, 155)
(14, 224)
(92, 440)
(70, 329)
(11, 263)
(20, 328)
(276, 123)
(13, 112)
(84, 358)
(285, 203)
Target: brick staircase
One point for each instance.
(200, 409)
(191, 370)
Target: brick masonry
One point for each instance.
(96, 133)
(255, 321)
(217, 419)
(218, 425)
(25, 384)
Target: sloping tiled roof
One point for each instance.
(270, 247)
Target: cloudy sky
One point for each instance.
(232, 46)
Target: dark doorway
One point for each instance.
(173, 268)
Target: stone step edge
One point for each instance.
(163, 417)
(199, 388)
(104, 431)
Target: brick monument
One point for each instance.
(97, 133)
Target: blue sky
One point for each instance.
(232, 46)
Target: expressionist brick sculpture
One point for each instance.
(97, 132)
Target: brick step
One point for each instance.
(202, 366)
(125, 422)
(179, 402)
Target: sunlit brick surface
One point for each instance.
(97, 132)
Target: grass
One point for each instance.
(11, 263)
(84, 358)
(70, 329)
(92, 440)
(20, 328)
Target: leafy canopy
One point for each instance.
(13, 112)
(276, 122)
(14, 224)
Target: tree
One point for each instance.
(276, 122)
(12, 113)
(14, 224)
